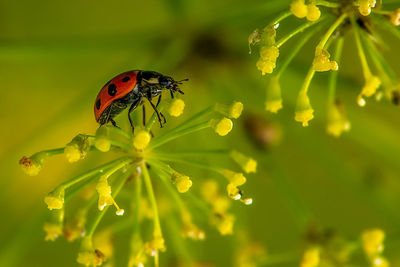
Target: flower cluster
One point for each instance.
(372, 242)
(332, 20)
(142, 158)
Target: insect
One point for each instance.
(129, 89)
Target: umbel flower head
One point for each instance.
(143, 163)
(332, 21)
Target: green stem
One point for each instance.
(331, 30)
(195, 153)
(363, 58)
(94, 171)
(280, 18)
(184, 161)
(334, 74)
(327, 3)
(176, 134)
(100, 214)
(152, 199)
(308, 80)
(295, 32)
(138, 195)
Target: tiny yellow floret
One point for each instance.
(313, 12)
(54, 202)
(273, 102)
(156, 244)
(311, 258)
(269, 53)
(371, 85)
(304, 111)
(395, 17)
(265, 66)
(372, 241)
(30, 166)
(222, 127)
(176, 108)
(105, 197)
(90, 258)
(52, 231)
(102, 143)
(299, 8)
(234, 178)
(225, 225)
(236, 110)
(248, 164)
(365, 6)
(141, 140)
(336, 121)
(182, 182)
(72, 153)
(322, 61)
(233, 191)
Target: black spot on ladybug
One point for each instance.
(112, 89)
(126, 79)
(98, 103)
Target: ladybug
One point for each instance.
(128, 90)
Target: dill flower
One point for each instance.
(176, 108)
(144, 162)
(32, 165)
(372, 241)
(332, 22)
(311, 258)
(336, 120)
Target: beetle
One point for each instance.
(129, 89)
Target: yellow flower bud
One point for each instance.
(89, 256)
(395, 17)
(311, 258)
(274, 98)
(365, 6)
(222, 127)
(299, 8)
(77, 149)
(304, 111)
(32, 165)
(193, 232)
(313, 12)
(248, 164)
(103, 144)
(225, 224)
(235, 178)
(265, 66)
(322, 61)
(105, 197)
(141, 139)
(233, 192)
(336, 121)
(371, 85)
(182, 182)
(103, 241)
(269, 53)
(154, 245)
(372, 241)
(232, 111)
(53, 230)
(55, 199)
(176, 108)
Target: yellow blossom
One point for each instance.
(274, 98)
(365, 6)
(265, 66)
(32, 165)
(371, 85)
(233, 191)
(72, 153)
(222, 127)
(53, 230)
(225, 224)
(102, 143)
(236, 110)
(77, 149)
(322, 61)
(103, 241)
(234, 178)
(336, 121)
(299, 8)
(269, 53)
(182, 182)
(105, 197)
(176, 108)
(248, 164)
(55, 199)
(395, 17)
(304, 111)
(89, 256)
(311, 258)
(154, 245)
(141, 139)
(313, 12)
(372, 241)
(192, 231)
(379, 262)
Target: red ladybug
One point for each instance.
(129, 89)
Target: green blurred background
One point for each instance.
(56, 55)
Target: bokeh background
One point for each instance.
(56, 55)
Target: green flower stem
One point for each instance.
(152, 199)
(73, 191)
(136, 215)
(334, 74)
(194, 153)
(308, 80)
(294, 52)
(286, 258)
(94, 171)
(295, 32)
(184, 161)
(331, 30)
(280, 18)
(153, 118)
(327, 3)
(100, 215)
(361, 53)
(176, 134)
(179, 243)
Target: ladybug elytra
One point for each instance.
(128, 90)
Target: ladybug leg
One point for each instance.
(114, 123)
(158, 101)
(144, 115)
(132, 107)
(156, 110)
(172, 94)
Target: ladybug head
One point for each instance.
(171, 84)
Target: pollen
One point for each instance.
(247, 164)
(176, 108)
(30, 166)
(304, 111)
(299, 8)
(222, 127)
(273, 102)
(313, 12)
(72, 153)
(182, 182)
(322, 61)
(53, 231)
(141, 140)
